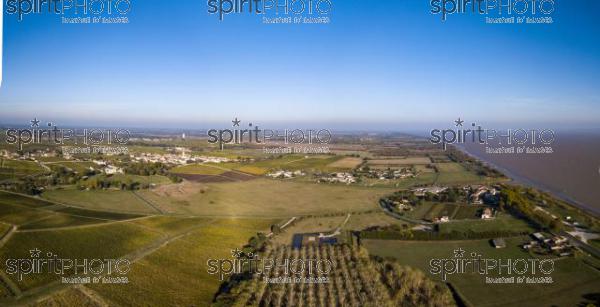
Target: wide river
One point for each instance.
(571, 172)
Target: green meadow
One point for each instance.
(571, 275)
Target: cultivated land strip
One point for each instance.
(229, 170)
(7, 235)
(46, 291)
(59, 204)
(110, 222)
(12, 286)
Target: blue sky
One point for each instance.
(378, 64)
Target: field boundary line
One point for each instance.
(39, 220)
(12, 286)
(147, 202)
(108, 222)
(93, 295)
(8, 235)
(69, 205)
(49, 289)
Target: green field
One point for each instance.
(112, 200)
(80, 167)
(169, 252)
(176, 274)
(108, 241)
(263, 197)
(421, 179)
(261, 167)
(269, 198)
(18, 168)
(144, 180)
(430, 210)
(468, 212)
(198, 169)
(502, 223)
(59, 220)
(572, 278)
(68, 297)
(454, 173)
(16, 214)
(292, 162)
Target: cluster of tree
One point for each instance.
(394, 233)
(450, 195)
(63, 175)
(355, 279)
(257, 243)
(523, 204)
(97, 183)
(410, 287)
(174, 178)
(145, 169)
(404, 194)
(473, 164)
(26, 185)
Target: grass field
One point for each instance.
(252, 170)
(309, 225)
(30, 202)
(80, 167)
(264, 197)
(102, 242)
(68, 297)
(59, 220)
(454, 173)
(269, 198)
(4, 228)
(261, 167)
(366, 220)
(430, 210)
(17, 168)
(112, 200)
(421, 179)
(424, 169)
(347, 163)
(16, 214)
(198, 169)
(153, 179)
(170, 224)
(502, 223)
(173, 252)
(298, 162)
(572, 278)
(34, 213)
(468, 212)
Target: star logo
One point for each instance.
(459, 122)
(236, 253)
(35, 253)
(236, 122)
(35, 122)
(459, 253)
